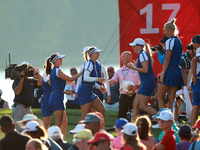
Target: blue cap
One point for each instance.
(185, 130)
(120, 123)
(196, 39)
(160, 112)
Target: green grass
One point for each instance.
(73, 117)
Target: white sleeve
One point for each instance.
(169, 44)
(57, 72)
(45, 77)
(79, 79)
(105, 76)
(88, 69)
(143, 57)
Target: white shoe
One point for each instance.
(155, 126)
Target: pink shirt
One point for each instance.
(124, 73)
(117, 142)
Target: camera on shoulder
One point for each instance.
(13, 70)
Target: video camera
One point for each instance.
(13, 71)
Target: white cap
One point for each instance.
(130, 129)
(56, 57)
(54, 132)
(85, 49)
(1, 92)
(126, 84)
(77, 128)
(31, 126)
(138, 41)
(166, 115)
(93, 50)
(29, 117)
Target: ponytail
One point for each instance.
(147, 49)
(86, 56)
(48, 66)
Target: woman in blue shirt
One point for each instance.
(171, 75)
(58, 81)
(148, 81)
(46, 86)
(91, 74)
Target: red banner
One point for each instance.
(146, 18)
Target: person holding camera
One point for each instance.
(24, 93)
(171, 75)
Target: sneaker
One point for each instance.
(155, 126)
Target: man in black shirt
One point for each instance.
(24, 94)
(13, 140)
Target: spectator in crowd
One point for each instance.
(13, 140)
(55, 134)
(148, 81)
(121, 75)
(171, 75)
(196, 144)
(70, 91)
(27, 118)
(119, 124)
(165, 120)
(131, 139)
(113, 104)
(144, 130)
(86, 98)
(35, 144)
(58, 81)
(185, 135)
(3, 103)
(37, 93)
(24, 93)
(92, 122)
(174, 126)
(102, 125)
(101, 141)
(33, 129)
(195, 70)
(77, 128)
(81, 140)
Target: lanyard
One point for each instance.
(124, 75)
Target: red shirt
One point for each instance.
(169, 141)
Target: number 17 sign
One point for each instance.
(146, 19)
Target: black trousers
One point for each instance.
(125, 104)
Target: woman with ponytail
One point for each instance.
(171, 75)
(46, 86)
(148, 81)
(58, 81)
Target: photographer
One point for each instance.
(24, 92)
(160, 49)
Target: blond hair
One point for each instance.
(147, 49)
(172, 26)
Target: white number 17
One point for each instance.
(149, 17)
